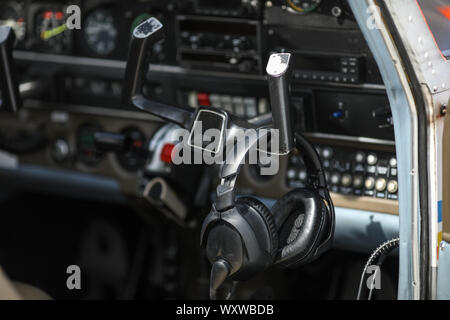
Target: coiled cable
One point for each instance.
(378, 255)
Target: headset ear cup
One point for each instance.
(300, 216)
(267, 217)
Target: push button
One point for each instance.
(392, 186)
(369, 184)
(203, 99)
(358, 181)
(372, 159)
(166, 153)
(346, 180)
(360, 157)
(380, 184)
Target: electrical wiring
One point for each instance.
(379, 254)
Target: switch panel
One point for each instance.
(364, 173)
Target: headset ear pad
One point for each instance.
(262, 222)
(300, 216)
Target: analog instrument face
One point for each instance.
(303, 6)
(11, 15)
(100, 32)
(52, 34)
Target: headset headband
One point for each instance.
(316, 176)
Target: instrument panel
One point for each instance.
(200, 30)
(214, 54)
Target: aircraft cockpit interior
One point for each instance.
(224, 150)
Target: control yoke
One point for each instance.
(150, 32)
(9, 88)
(277, 75)
(144, 37)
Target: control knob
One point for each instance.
(369, 184)
(360, 157)
(358, 181)
(372, 159)
(346, 180)
(392, 186)
(335, 178)
(60, 150)
(327, 153)
(393, 162)
(291, 174)
(303, 175)
(380, 184)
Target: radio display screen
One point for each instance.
(314, 63)
(220, 5)
(437, 15)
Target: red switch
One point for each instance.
(48, 15)
(203, 99)
(166, 153)
(59, 15)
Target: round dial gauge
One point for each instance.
(303, 6)
(52, 34)
(100, 32)
(12, 17)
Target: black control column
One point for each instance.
(10, 97)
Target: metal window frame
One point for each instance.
(417, 82)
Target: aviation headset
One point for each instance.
(243, 237)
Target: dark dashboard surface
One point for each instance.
(233, 40)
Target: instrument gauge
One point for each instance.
(52, 34)
(303, 6)
(11, 15)
(100, 32)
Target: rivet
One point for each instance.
(443, 110)
(413, 172)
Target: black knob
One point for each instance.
(381, 112)
(246, 65)
(247, 10)
(110, 142)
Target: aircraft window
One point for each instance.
(437, 15)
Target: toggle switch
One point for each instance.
(203, 99)
(166, 152)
